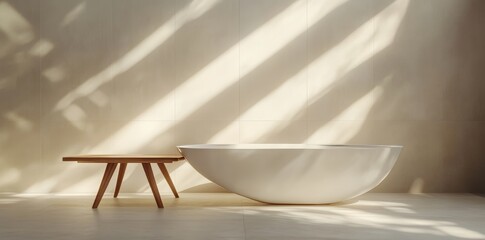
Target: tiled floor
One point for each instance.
(228, 216)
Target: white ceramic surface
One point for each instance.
(293, 173)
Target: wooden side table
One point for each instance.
(113, 160)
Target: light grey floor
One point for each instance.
(228, 216)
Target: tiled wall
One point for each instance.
(142, 76)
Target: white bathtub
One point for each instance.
(293, 173)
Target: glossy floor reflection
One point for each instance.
(228, 216)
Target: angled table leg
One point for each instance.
(121, 174)
(153, 185)
(110, 168)
(167, 177)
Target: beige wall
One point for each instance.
(126, 76)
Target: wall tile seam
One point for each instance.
(41, 102)
(176, 73)
(307, 75)
(239, 74)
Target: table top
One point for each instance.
(123, 158)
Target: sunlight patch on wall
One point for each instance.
(265, 41)
(275, 34)
(21, 123)
(361, 107)
(76, 116)
(54, 74)
(16, 28)
(342, 131)
(41, 48)
(272, 37)
(122, 142)
(227, 133)
(62, 181)
(273, 100)
(282, 131)
(138, 53)
(279, 30)
(335, 63)
(99, 98)
(387, 24)
(213, 70)
(269, 38)
(73, 14)
(85, 185)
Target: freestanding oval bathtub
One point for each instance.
(293, 173)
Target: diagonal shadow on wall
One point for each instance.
(93, 134)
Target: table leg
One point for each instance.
(110, 168)
(121, 174)
(153, 185)
(168, 178)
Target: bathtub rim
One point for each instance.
(283, 146)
